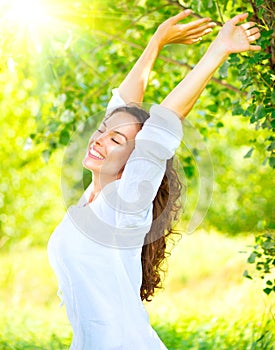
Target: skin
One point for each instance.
(169, 32)
(234, 37)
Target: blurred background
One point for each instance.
(59, 61)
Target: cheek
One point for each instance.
(120, 154)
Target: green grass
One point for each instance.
(206, 303)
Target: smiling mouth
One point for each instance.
(94, 154)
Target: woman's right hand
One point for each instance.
(172, 32)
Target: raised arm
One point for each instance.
(134, 85)
(232, 38)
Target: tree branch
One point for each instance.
(195, 15)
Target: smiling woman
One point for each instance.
(108, 250)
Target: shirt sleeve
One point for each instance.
(131, 197)
(115, 101)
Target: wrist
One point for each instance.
(157, 40)
(217, 53)
(155, 44)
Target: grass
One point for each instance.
(206, 303)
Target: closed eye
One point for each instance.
(115, 141)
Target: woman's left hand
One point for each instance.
(235, 37)
(171, 32)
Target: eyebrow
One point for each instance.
(116, 132)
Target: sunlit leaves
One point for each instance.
(53, 80)
(263, 257)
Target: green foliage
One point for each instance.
(263, 258)
(56, 77)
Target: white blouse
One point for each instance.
(96, 250)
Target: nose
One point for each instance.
(100, 138)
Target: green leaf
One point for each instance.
(213, 108)
(273, 97)
(223, 71)
(260, 112)
(246, 274)
(267, 290)
(271, 147)
(53, 126)
(271, 162)
(269, 283)
(234, 58)
(252, 257)
(237, 109)
(249, 153)
(259, 2)
(64, 137)
(46, 155)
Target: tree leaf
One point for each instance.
(219, 125)
(252, 257)
(271, 162)
(223, 71)
(267, 290)
(249, 153)
(246, 274)
(260, 112)
(64, 137)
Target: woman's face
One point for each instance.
(111, 145)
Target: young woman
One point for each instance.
(107, 250)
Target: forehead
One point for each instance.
(123, 122)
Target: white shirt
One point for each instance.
(96, 250)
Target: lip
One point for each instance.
(95, 153)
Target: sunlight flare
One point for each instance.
(28, 12)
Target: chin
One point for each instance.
(88, 164)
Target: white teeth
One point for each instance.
(95, 153)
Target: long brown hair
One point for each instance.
(166, 208)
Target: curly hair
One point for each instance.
(166, 209)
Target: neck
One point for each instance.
(99, 182)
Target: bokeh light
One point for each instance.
(28, 12)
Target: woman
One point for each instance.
(98, 252)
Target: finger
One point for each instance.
(254, 37)
(252, 31)
(255, 48)
(239, 18)
(197, 23)
(198, 35)
(248, 25)
(192, 41)
(199, 30)
(180, 16)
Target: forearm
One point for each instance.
(169, 32)
(186, 93)
(134, 85)
(232, 38)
